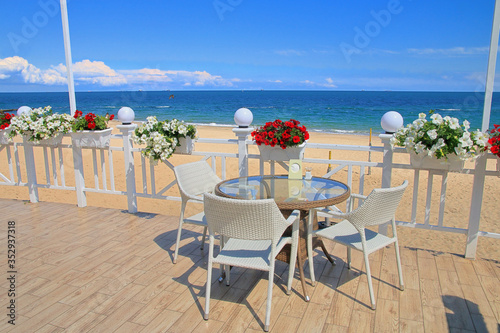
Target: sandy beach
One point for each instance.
(459, 189)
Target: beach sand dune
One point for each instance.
(456, 213)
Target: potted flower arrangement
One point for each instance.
(5, 127)
(163, 138)
(494, 140)
(91, 131)
(494, 143)
(41, 126)
(281, 140)
(440, 143)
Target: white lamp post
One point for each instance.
(391, 121)
(243, 117)
(23, 109)
(126, 115)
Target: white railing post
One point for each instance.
(475, 207)
(127, 131)
(81, 197)
(31, 171)
(242, 134)
(386, 170)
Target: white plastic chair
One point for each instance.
(379, 207)
(193, 179)
(252, 231)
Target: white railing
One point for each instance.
(58, 174)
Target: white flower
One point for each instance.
(437, 119)
(481, 138)
(419, 148)
(466, 125)
(465, 140)
(432, 134)
(410, 141)
(453, 123)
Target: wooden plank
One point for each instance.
(411, 305)
(434, 320)
(387, 316)
(427, 268)
(162, 322)
(314, 318)
(477, 303)
(431, 293)
(118, 317)
(362, 321)
(457, 313)
(286, 324)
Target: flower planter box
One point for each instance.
(452, 163)
(185, 146)
(91, 139)
(52, 142)
(277, 153)
(4, 136)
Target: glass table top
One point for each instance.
(283, 190)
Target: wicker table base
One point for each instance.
(284, 255)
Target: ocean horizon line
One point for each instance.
(245, 90)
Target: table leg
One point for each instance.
(330, 259)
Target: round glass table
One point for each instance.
(302, 194)
(290, 194)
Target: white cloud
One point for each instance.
(17, 66)
(329, 83)
(290, 52)
(100, 74)
(275, 81)
(454, 51)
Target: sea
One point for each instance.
(350, 112)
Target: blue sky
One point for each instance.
(242, 44)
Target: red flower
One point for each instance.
(91, 125)
(112, 117)
(286, 134)
(7, 116)
(495, 149)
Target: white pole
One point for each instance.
(490, 75)
(480, 169)
(69, 61)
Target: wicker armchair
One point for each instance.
(379, 207)
(193, 179)
(252, 231)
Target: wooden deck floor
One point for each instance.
(104, 270)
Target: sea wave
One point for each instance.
(448, 109)
(162, 106)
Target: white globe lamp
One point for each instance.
(23, 109)
(126, 115)
(243, 117)
(391, 121)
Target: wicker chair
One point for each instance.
(252, 232)
(193, 179)
(379, 207)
